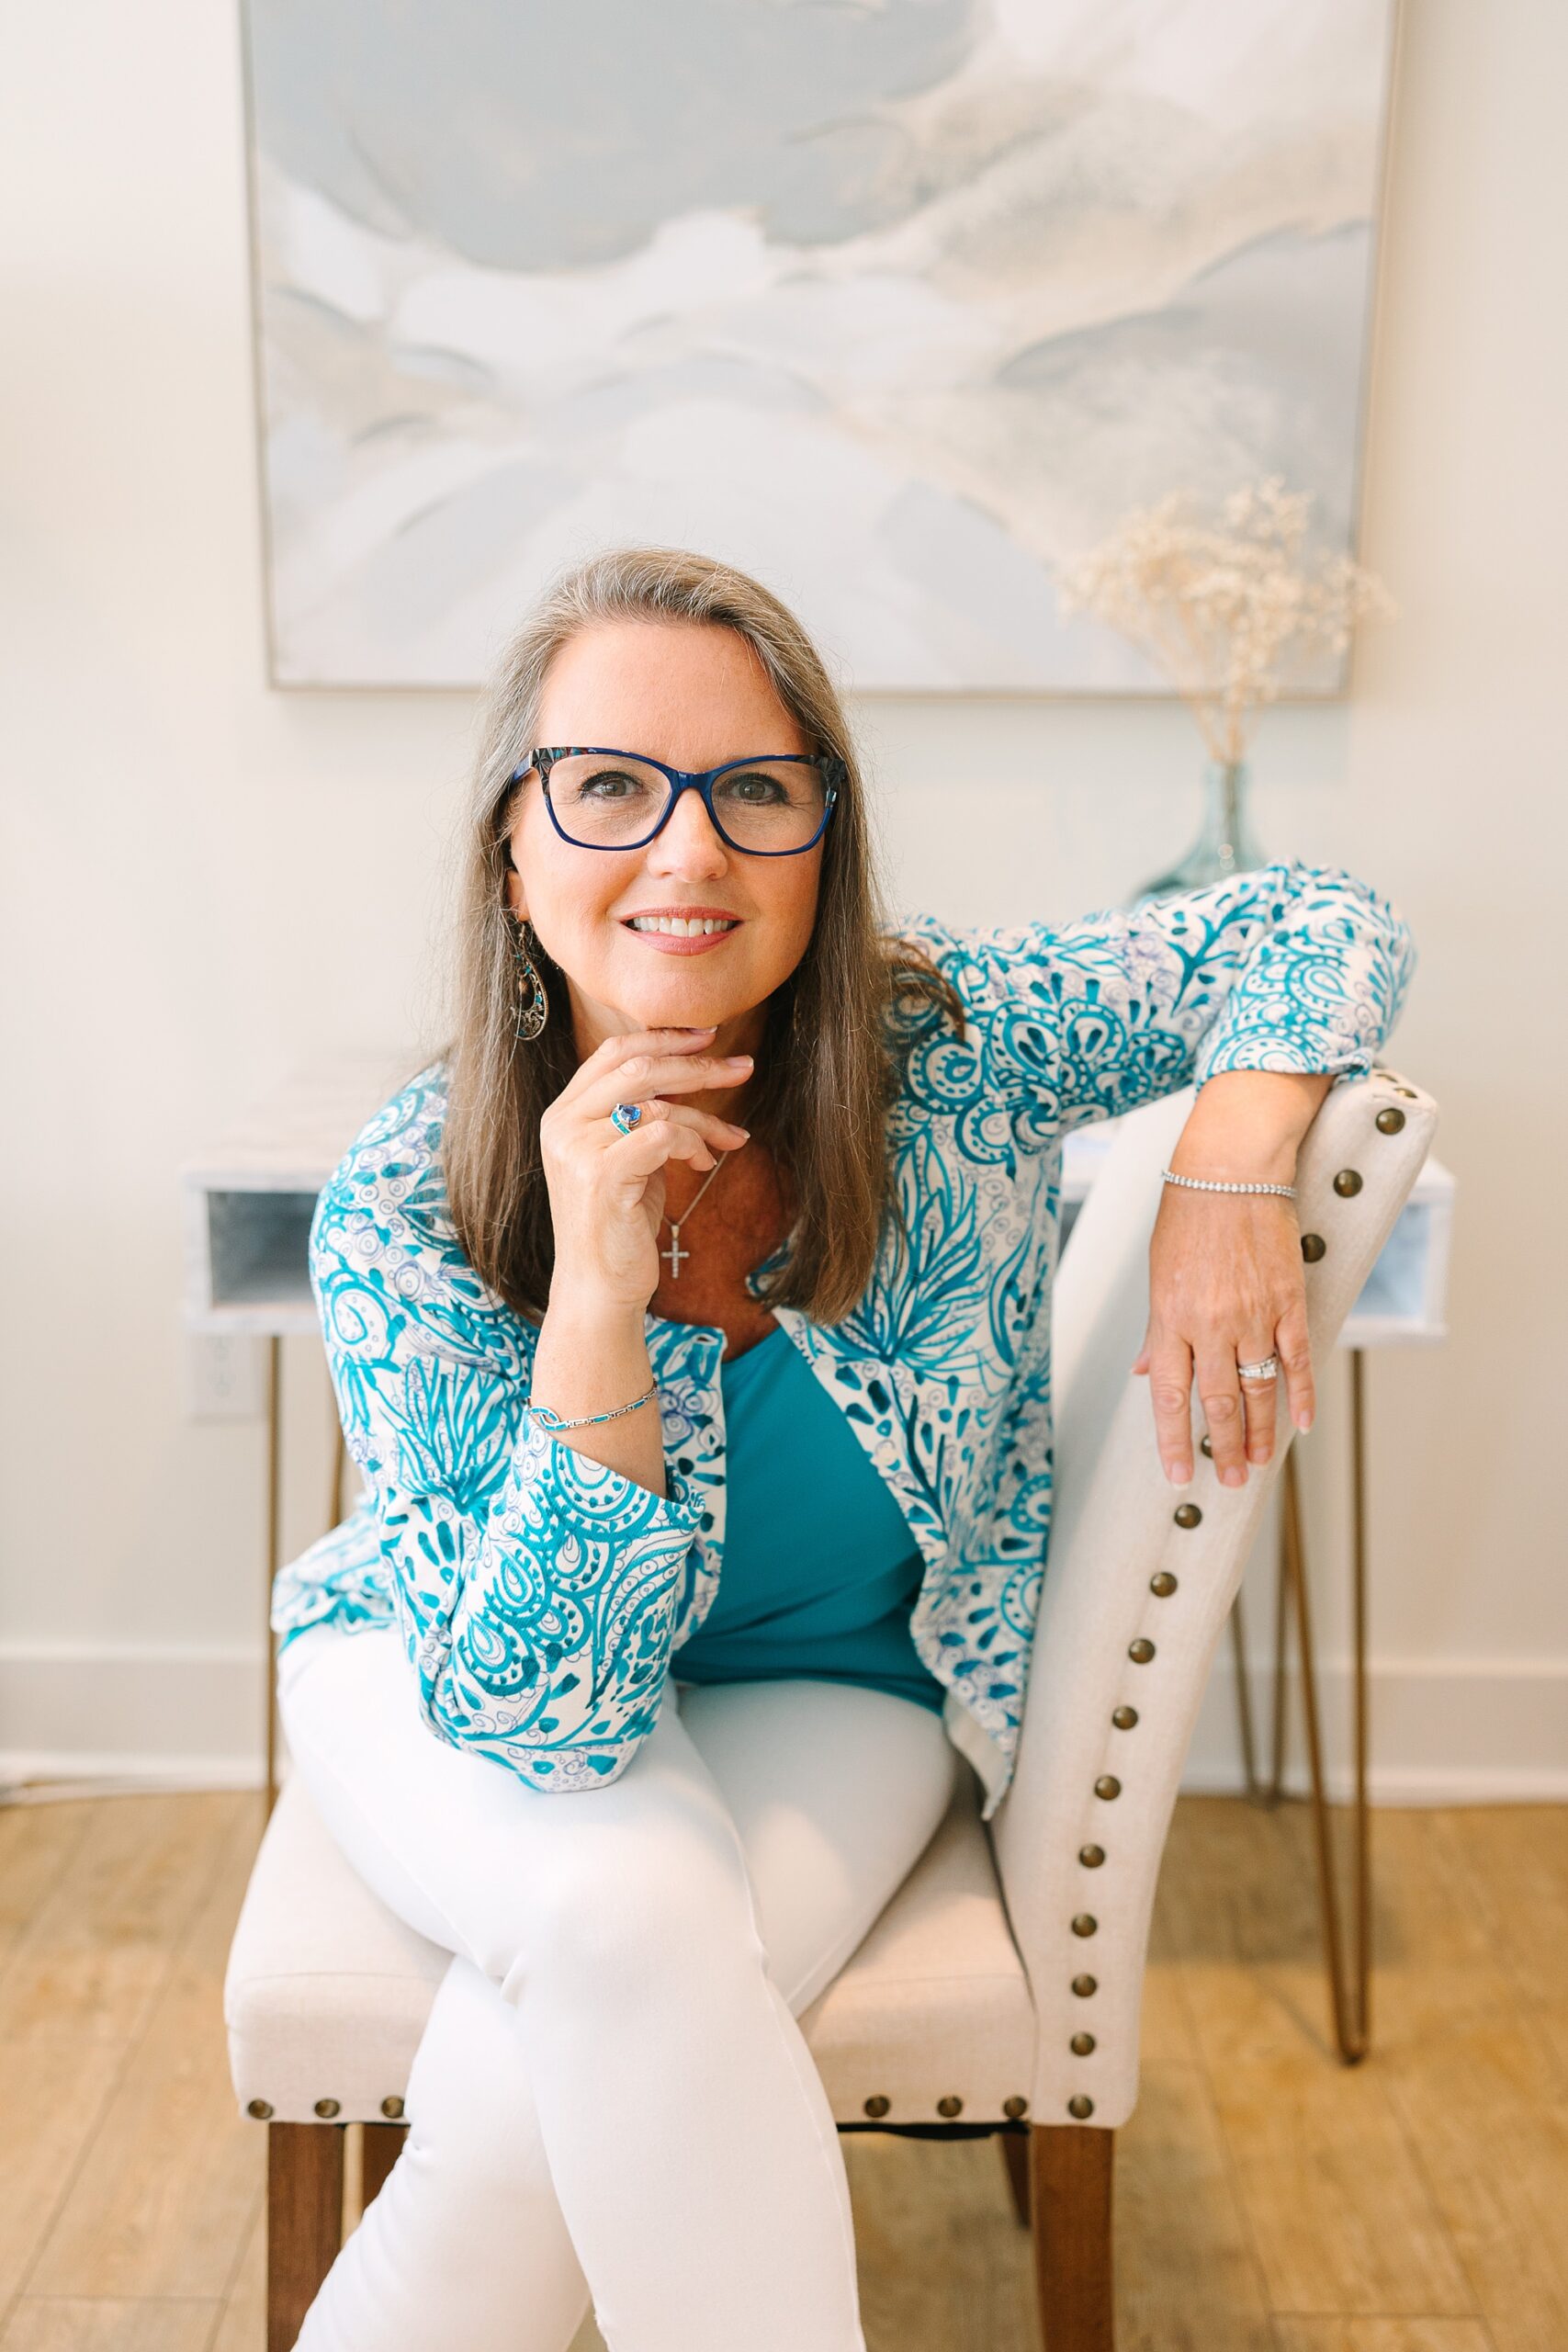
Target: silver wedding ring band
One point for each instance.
(1267, 1370)
(625, 1115)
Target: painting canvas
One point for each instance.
(895, 305)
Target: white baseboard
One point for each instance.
(175, 1716)
(1480, 1731)
(1440, 1731)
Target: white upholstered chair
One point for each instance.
(1000, 1990)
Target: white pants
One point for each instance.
(612, 2102)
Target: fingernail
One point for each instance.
(1234, 1476)
(1303, 1419)
(1178, 1473)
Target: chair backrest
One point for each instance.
(1081, 1782)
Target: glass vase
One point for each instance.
(1225, 843)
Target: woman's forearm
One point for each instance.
(1248, 1124)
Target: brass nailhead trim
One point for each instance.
(1140, 1651)
(950, 2105)
(1389, 1121)
(1085, 1924)
(1084, 1985)
(1125, 1719)
(1407, 1090)
(261, 2108)
(1313, 1247)
(1082, 2044)
(1015, 2106)
(1189, 1515)
(1080, 2109)
(1108, 1785)
(1206, 1445)
(1163, 1584)
(393, 2107)
(327, 2106)
(1091, 1857)
(877, 2106)
(1348, 1182)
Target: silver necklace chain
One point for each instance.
(674, 1254)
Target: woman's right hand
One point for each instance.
(607, 1189)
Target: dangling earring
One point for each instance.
(533, 1004)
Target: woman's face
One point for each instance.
(694, 695)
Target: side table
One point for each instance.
(248, 1200)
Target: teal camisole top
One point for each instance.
(820, 1571)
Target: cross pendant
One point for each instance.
(674, 1254)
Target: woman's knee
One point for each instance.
(616, 1907)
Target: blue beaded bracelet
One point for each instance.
(549, 1419)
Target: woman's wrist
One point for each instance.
(590, 1357)
(1247, 1125)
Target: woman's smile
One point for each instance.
(671, 932)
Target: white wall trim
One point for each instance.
(1443, 1731)
(1448, 1731)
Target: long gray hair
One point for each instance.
(826, 1072)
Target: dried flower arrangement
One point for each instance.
(1215, 608)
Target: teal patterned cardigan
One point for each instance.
(539, 1594)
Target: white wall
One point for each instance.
(202, 879)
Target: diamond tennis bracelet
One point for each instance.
(1211, 1184)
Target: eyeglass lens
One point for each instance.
(766, 805)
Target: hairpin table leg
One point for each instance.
(1349, 1969)
(273, 1514)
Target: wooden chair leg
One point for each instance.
(382, 2147)
(304, 2221)
(1070, 2173)
(1015, 2150)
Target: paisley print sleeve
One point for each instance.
(1289, 967)
(536, 1588)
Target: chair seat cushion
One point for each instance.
(327, 1992)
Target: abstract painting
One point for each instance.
(895, 303)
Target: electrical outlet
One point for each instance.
(225, 1376)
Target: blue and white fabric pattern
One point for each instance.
(539, 1594)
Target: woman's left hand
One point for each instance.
(1226, 1288)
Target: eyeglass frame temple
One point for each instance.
(700, 780)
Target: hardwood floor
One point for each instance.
(1268, 2201)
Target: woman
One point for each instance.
(722, 1233)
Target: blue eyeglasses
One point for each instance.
(775, 806)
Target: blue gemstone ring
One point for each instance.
(625, 1115)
